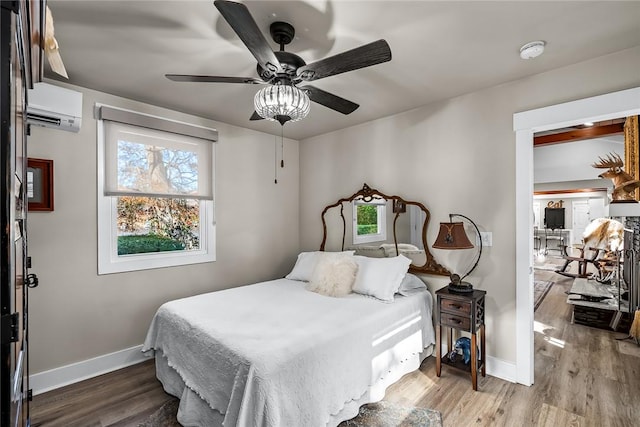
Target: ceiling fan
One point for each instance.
(283, 100)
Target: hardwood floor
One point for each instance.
(583, 377)
(121, 398)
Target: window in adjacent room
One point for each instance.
(155, 192)
(369, 221)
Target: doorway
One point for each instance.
(617, 104)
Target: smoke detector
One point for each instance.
(532, 49)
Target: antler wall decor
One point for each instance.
(623, 183)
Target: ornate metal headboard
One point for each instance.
(423, 260)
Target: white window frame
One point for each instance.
(381, 235)
(108, 259)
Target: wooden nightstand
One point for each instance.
(463, 312)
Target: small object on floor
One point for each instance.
(462, 345)
(386, 414)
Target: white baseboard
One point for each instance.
(75, 372)
(501, 369)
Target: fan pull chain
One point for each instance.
(275, 157)
(282, 146)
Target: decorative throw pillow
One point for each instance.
(411, 284)
(333, 275)
(380, 277)
(305, 264)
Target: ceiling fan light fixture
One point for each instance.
(532, 50)
(282, 103)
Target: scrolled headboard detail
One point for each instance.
(403, 211)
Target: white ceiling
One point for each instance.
(440, 50)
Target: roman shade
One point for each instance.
(150, 156)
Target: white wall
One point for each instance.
(456, 156)
(76, 314)
(572, 161)
(596, 201)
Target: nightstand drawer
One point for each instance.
(455, 306)
(459, 322)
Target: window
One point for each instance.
(155, 192)
(369, 221)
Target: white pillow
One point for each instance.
(305, 264)
(411, 284)
(333, 275)
(390, 248)
(380, 277)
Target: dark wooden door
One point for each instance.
(19, 57)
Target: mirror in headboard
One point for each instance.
(378, 225)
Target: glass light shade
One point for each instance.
(282, 103)
(452, 236)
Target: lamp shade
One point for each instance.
(282, 103)
(452, 236)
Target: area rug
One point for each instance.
(540, 290)
(387, 414)
(165, 416)
(381, 414)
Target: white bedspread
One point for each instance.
(275, 354)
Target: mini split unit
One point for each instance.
(54, 107)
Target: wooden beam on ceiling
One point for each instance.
(579, 134)
(572, 191)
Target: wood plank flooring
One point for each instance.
(583, 377)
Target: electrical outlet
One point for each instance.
(487, 238)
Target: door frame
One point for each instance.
(603, 107)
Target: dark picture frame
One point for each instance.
(40, 185)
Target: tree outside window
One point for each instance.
(367, 219)
(369, 222)
(147, 224)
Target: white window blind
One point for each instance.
(149, 162)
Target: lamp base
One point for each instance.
(460, 287)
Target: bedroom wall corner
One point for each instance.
(78, 316)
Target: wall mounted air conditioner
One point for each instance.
(54, 107)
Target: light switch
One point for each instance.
(487, 238)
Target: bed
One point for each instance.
(308, 349)
(276, 354)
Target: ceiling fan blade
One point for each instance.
(360, 57)
(212, 79)
(256, 116)
(330, 100)
(240, 19)
(51, 48)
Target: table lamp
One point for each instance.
(452, 236)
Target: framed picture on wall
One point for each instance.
(40, 185)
